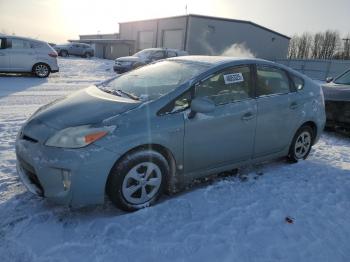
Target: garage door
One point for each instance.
(145, 39)
(173, 39)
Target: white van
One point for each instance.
(25, 55)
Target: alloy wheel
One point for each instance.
(302, 145)
(141, 183)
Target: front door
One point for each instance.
(278, 110)
(225, 135)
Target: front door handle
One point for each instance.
(293, 105)
(247, 116)
(2, 54)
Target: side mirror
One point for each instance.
(201, 105)
(329, 79)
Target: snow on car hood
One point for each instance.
(334, 92)
(88, 106)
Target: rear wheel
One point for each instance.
(64, 53)
(301, 145)
(41, 70)
(138, 180)
(87, 55)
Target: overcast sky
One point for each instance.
(59, 20)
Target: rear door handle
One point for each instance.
(247, 116)
(2, 54)
(293, 105)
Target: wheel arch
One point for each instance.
(313, 125)
(38, 63)
(165, 152)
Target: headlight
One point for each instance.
(76, 137)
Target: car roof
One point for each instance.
(163, 48)
(22, 38)
(218, 60)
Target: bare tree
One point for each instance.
(317, 45)
(304, 46)
(293, 47)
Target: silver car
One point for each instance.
(156, 128)
(25, 55)
(78, 49)
(146, 56)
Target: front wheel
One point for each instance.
(41, 70)
(138, 180)
(301, 144)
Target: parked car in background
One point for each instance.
(146, 56)
(337, 99)
(78, 49)
(25, 55)
(156, 128)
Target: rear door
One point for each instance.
(4, 56)
(22, 55)
(226, 135)
(278, 110)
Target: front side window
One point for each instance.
(344, 79)
(20, 44)
(155, 80)
(228, 86)
(271, 80)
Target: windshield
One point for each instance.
(344, 79)
(154, 80)
(144, 53)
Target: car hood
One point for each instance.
(129, 59)
(335, 92)
(88, 106)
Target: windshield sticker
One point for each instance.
(233, 78)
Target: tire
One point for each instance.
(301, 144)
(41, 70)
(138, 180)
(64, 53)
(87, 55)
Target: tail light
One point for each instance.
(53, 54)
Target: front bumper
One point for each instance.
(121, 69)
(74, 177)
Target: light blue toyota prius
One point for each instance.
(155, 129)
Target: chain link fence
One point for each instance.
(317, 69)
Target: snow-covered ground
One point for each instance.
(237, 218)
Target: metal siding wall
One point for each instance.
(212, 37)
(130, 31)
(178, 23)
(317, 69)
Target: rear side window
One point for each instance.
(36, 45)
(231, 85)
(271, 80)
(171, 54)
(298, 82)
(20, 44)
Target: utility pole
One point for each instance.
(346, 54)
